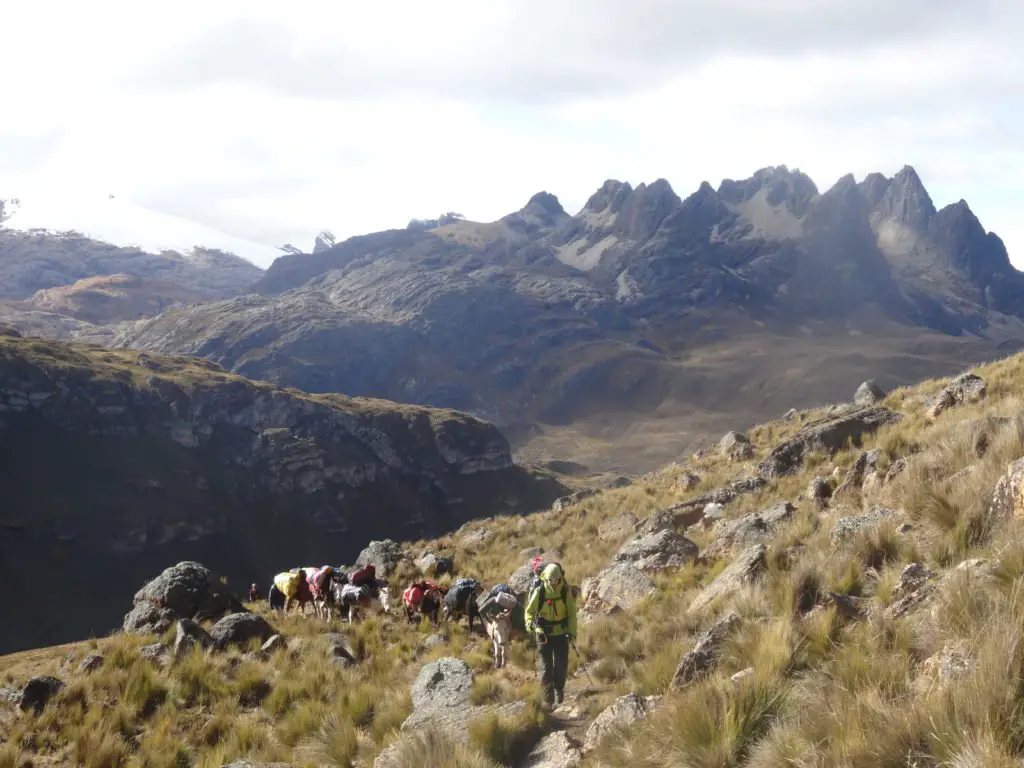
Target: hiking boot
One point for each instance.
(549, 697)
(559, 698)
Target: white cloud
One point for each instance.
(271, 121)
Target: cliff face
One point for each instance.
(111, 460)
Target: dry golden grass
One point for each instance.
(827, 689)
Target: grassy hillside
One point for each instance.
(836, 677)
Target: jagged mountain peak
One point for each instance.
(774, 185)
(608, 197)
(544, 203)
(907, 201)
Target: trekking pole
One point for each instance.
(582, 665)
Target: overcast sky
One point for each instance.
(272, 120)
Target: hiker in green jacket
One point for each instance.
(551, 618)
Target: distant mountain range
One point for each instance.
(623, 333)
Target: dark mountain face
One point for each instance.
(543, 317)
(111, 461)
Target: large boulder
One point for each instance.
(618, 587)
(869, 393)
(620, 714)
(657, 551)
(240, 628)
(38, 691)
(705, 654)
(827, 436)
(749, 529)
(744, 569)
(184, 591)
(385, 556)
(440, 697)
(431, 564)
(735, 446)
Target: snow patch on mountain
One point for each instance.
(121, 222)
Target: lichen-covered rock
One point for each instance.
(846, 528)
(620, 714)
(658, 551)
(747, 566)
(240, 628)
(440, 697)
(704, 657)
(617, 528)
(912, 577)
(827, 436)
(869, 393)
(184, 591)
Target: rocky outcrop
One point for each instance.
(617, 528)
(440, 697)
(187, 635)
(747, 566)
(619, 715)
(37, 693)
(34, 261)
(704, 657)
(556, 750)
(869, 393)
(848, 527)
(1008, 497)
(572, 500)
(750, 529)
(864, 466)
(90, 663)
(827, 436)
(735, 446)
(184, 591)
(965, 388)
(619, 587)
(431, 564)
(658, 551)
(176, 458)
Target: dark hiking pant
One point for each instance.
(554, 665)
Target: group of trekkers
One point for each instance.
(548, 614)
